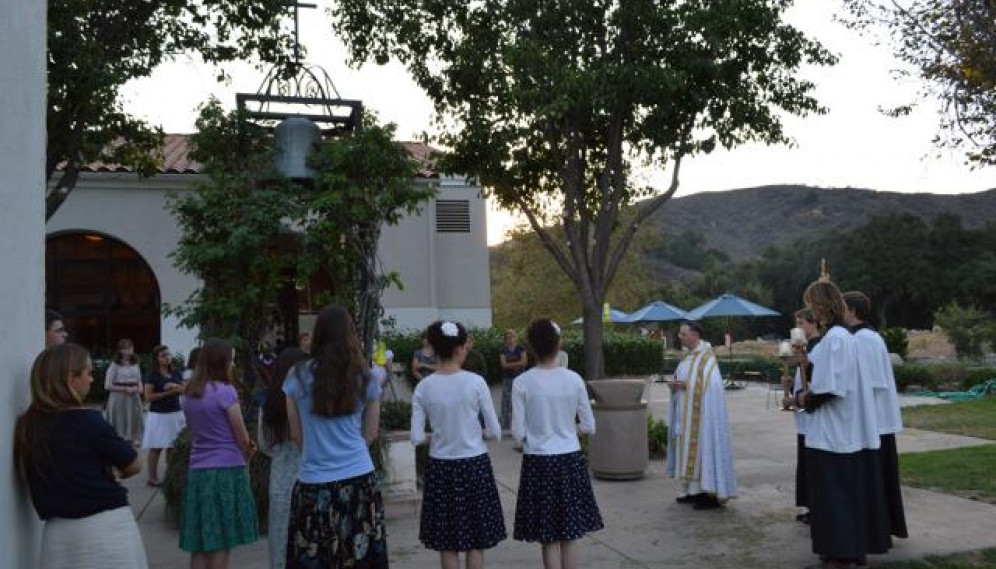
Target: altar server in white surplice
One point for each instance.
(848, 512)
(699, 453)
(875, 368)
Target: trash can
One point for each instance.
(618, 449)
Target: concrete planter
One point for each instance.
(618, 449)
(399, 486)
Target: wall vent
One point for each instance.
(452, 216)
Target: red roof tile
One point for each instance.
(176, 159)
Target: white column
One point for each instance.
(22, 252)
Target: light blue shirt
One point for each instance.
(333, 447)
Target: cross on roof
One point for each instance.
(296, 6)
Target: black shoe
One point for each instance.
(708, 503)
(804, 518)
(691, 498)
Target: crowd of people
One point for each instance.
(321, 413)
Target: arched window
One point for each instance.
(104, 288)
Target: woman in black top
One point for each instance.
(165, 420)
(70, 457)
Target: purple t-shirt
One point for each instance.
(212, 440)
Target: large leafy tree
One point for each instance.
(234, 234)
(524, 283)
(250, 235)
(951, 45)
(554, 105)
(96, 46)
(363, 182)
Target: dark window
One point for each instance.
(105, 290)
(452, 216)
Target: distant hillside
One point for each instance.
(743, 223)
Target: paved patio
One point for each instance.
(645, 528)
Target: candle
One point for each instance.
(798, 337)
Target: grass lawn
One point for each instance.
(970, 418)
(967, 472)
(984, 559)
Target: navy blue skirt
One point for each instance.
(461, 510)
(848, 509)
(555, 500)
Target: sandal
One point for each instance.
(154, 483)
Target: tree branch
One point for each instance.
(641, 216)
(547, 240)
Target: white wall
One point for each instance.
(22, 232)
(133, 211)
(445, 275)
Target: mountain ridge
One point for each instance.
(744, 222)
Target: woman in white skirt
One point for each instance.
(123, 383)
(165, 421)
(70, 457)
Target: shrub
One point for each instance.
(968, 328)
(914, 374)
(625, 354)
(897, 341)
(175, 481)
(769, 368)
(395, 415)
(975, 376)
(656, 437)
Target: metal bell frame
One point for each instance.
(302, 85)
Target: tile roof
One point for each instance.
(176, 160)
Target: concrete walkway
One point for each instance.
(645, 528)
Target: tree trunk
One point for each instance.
(594, 361)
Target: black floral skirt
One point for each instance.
(337, 525)
(461, 510)
(556, 502)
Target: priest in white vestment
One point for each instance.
(699, 453)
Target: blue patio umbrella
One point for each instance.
(657, 311)
(729, 305)
(615, 316)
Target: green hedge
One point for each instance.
(944, 376)
(626, 354)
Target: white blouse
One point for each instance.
(454, 404)
(545, 403)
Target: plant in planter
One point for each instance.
(399, 464)
(176, 480)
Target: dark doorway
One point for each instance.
(104, 288)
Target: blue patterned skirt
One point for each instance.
(461, 510)
(556, 502)
(337, 525)
(218, 510)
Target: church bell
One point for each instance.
(295, 138)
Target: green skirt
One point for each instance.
(218, 510)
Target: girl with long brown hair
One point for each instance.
(333, 408)
(218, 511)
(70, 457)
(285, 457)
